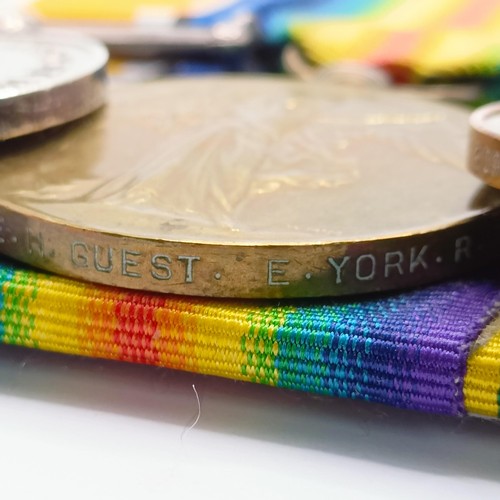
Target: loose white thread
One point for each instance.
(199, 408)
(197, 419)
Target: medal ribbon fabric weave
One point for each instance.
(408, 350)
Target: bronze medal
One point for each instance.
(484, 150)
(250, 187)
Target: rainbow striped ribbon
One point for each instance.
(412, 40)
(436, 349)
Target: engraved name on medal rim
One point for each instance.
(114, 216)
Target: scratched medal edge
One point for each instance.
(250, 271)
(90, 90)
(92, 96)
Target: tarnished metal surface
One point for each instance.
(48, 78)
(250, 187)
